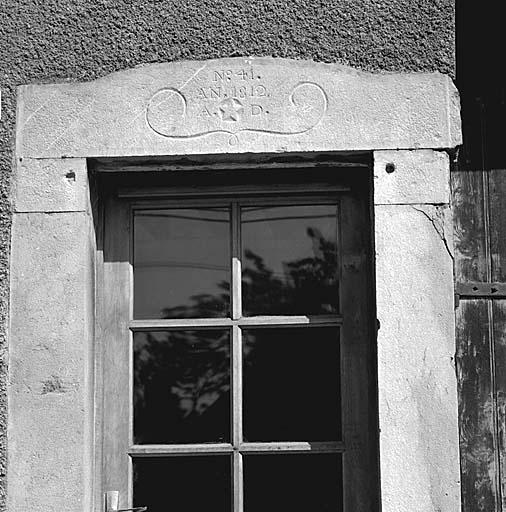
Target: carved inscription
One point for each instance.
(231, 95)
(234, 100)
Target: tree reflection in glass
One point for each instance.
(182, 377)
(181, 387)
(289, 260)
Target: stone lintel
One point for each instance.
(237, 105)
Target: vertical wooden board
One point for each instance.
(497, 197)
(358, 359)
(113, 340)
(499, 316)
(476, 404)
(98, 385)
(469, 226)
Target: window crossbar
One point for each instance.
(253, 321)
(161, 450)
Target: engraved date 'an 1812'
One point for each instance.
(236, 100)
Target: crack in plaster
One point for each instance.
(438, 223)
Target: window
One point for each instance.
(237, 348)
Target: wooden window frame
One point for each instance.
(116, 324)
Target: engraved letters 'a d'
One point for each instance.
(238, 99)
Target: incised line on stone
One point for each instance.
(234, 101)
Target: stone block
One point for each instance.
(50, 360)
(51, 185)
(411, 177)
(419, 442)
(46, 471)
(237, 105)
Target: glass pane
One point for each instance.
(181, 263)
(291, 384)
(294, 483)
(183, 484)
(289, 260)
(181, 386)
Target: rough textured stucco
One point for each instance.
(51, 40)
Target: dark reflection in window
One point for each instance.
(181, 256)
(183, 484)
(291, 384)
(295, 483)
(289, 260)
(181, 386)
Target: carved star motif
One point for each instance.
(230, 109)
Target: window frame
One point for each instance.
(358, 445)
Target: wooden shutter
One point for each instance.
(479, 201)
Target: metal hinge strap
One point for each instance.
(476, 290)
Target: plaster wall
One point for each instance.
(54, 41)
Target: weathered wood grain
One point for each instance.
(114, 349)
(497, 214)
(358, 360)
(499, 318)
(469, 226)
(476, 408)
(480, 256)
